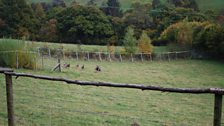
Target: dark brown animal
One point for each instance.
(98, 69)
(66, 65)
(83, 67)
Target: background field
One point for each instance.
(204, 5)
(44, 103)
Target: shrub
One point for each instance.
(11, 49)
(144, 43)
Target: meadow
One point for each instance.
(204, 5)
(43, 103)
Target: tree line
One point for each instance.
(109, 24)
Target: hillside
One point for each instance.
(204, 5)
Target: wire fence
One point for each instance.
(48, 59)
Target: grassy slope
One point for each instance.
(89, 48)
(203, 4)
(50, 103)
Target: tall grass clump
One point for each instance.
(11, 50)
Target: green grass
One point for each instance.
(86, 48)
(204, 5)
(43, 103)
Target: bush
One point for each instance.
(11, 49)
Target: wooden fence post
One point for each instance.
(109, 56)
(9, 94)
(42, 61)
(217, 110)
(77, 56)
(88, 55)
(132, 60)
(59, 64)
(100, 56)
(121, 58)
(49, 52)
(17, 60)
(141, 57)
(168, 54)
(150, 55)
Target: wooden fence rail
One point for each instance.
(218, 92)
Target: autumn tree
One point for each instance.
(144, 43)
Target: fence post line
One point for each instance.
(9, 95)
(217, 110)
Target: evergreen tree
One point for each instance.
(130, 42)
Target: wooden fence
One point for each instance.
(218, 92)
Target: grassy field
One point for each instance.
(44, 103)
(204, 5)
(89, 48)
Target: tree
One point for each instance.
(58, 3)
(156, 4)
(38, 10)
(138, 17)
(91, 3)
(113, 8)
(144, 43)
(88, 24)
(49, 31)
(17, 15)
(185, 3)
(130, 42)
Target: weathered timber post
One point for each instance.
(150, 55)
(109, 56)
(217, 110)
(77, 55)
(88, 55)
(100, 56)
(9, 95)
(176, 55)
(49, 52)
(59, 64)
(17, 60)
(121, 58)
(141, 57)
(42, 61)
(132, 60)
(168, 54)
